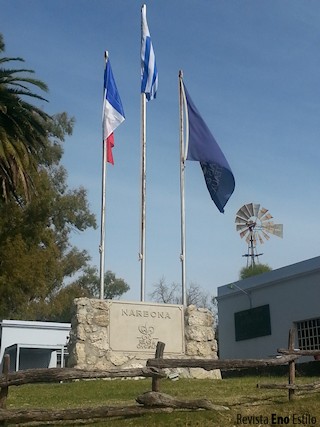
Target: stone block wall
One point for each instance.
(200, 341)
(89, 347)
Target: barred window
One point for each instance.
(60, 363)
(309, 334)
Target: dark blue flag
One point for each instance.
(204, 148)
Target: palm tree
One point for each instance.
(23, 128)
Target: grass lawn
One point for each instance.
(248, 404)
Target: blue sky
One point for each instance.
(251, 67)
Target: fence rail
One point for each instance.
(226, 364)
(54, 375)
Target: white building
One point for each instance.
(33, 344)
(256, 314)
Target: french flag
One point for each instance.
(113, 114)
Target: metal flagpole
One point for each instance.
(182, 193)
(103, 206)
(142, 254)
(149, 84)
(103, 213)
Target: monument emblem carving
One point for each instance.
(146, 340)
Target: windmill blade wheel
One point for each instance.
(253, 222)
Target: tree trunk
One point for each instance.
(154, 399)
(24, 416)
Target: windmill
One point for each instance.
(255, 225)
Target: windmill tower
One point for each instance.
(254, 224)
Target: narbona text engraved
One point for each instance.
(145, 313)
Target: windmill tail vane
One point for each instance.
(254, 224)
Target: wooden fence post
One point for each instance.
(4, 390)
(292, 364)
(158, 355)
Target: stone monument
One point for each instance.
(107, 333)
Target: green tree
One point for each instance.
(114, 287)
(254, 270)
(23, 127)
(36, 256)
(59, 306)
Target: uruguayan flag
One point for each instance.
(149, 73)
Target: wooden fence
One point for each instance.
(291, 386)
(152, 401)
(287, 356)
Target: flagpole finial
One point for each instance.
(180, 74)
(106, 55)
